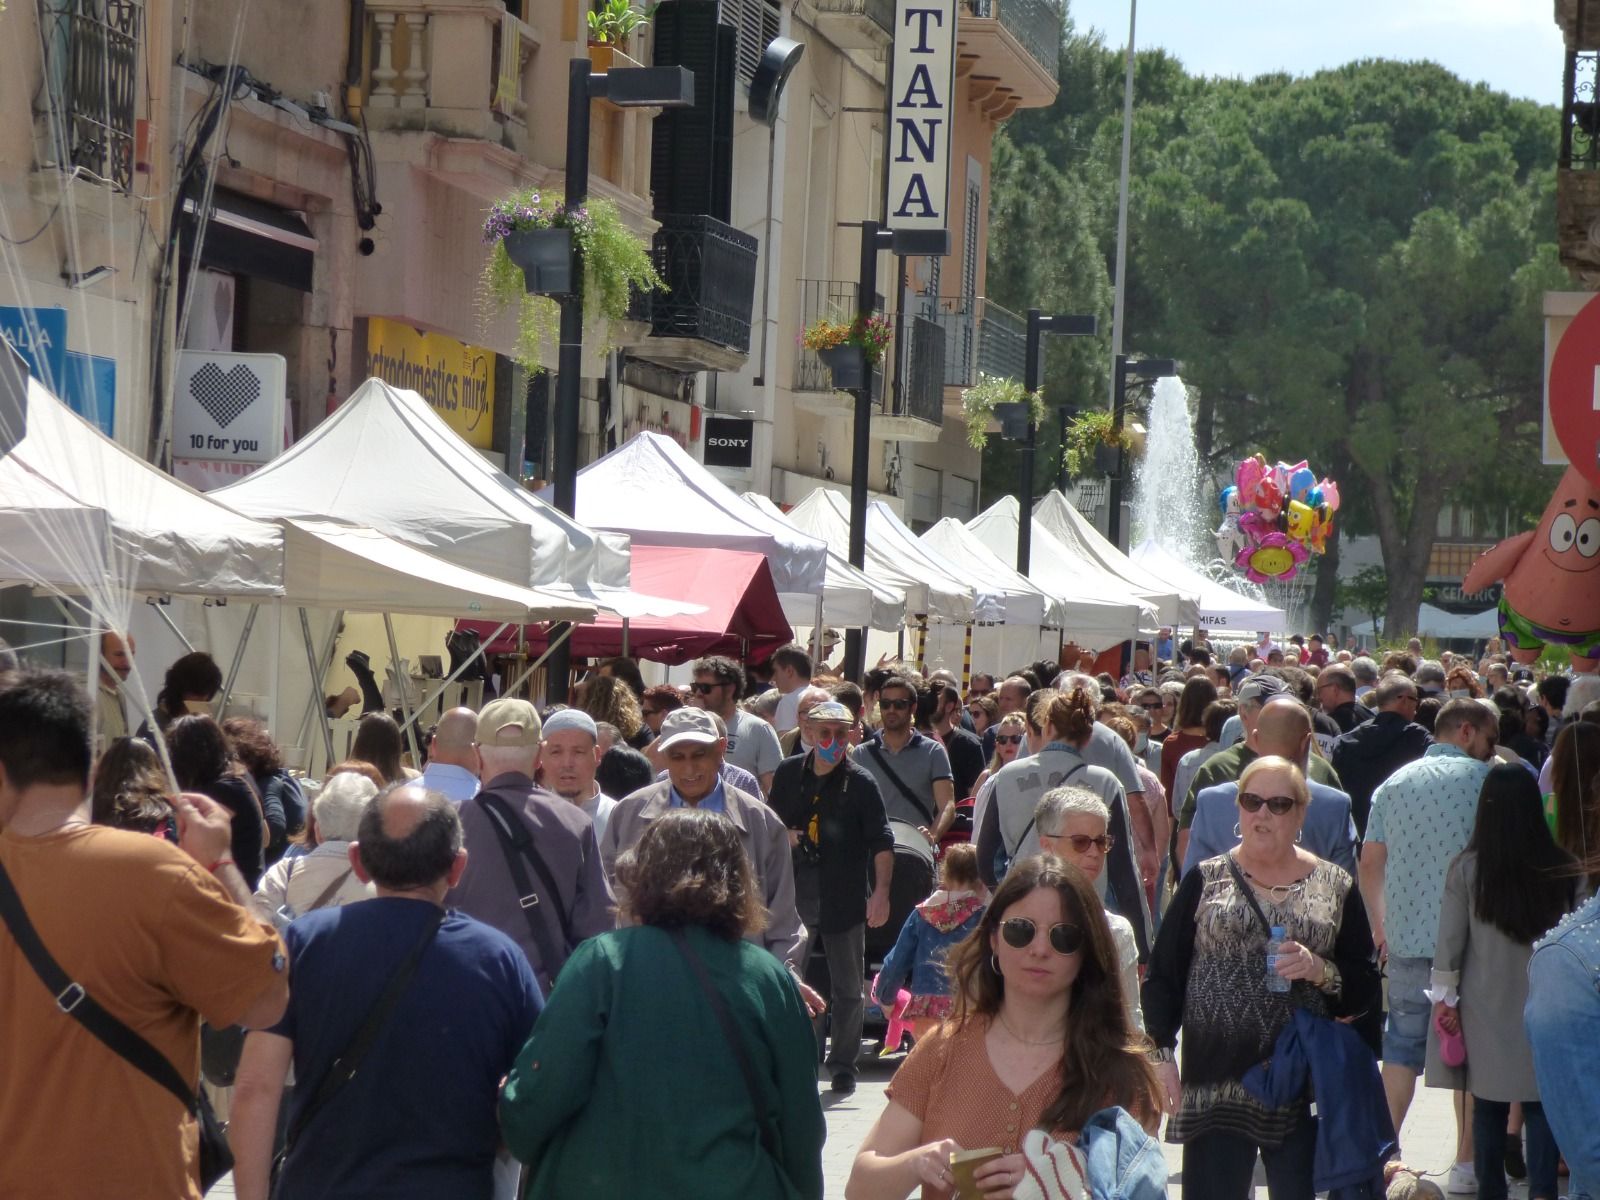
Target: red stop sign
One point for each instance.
(1575, 391)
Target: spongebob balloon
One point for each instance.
(1552, 578)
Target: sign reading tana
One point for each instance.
(921, 94)
(455, 378)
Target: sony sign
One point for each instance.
(730, 441)
(921, 109)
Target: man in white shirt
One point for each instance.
(791, 675)
(568, 758)
(453, 762)
(752, 743)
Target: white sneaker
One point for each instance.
(1463, 1180)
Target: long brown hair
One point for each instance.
(1575, 780)
(1068, 715)
(1103, 1060)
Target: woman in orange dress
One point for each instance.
(1039, 1039)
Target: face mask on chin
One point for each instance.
(1459, 693)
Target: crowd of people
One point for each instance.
(603, 947)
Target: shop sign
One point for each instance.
(455, 378)
(730, 441)
(921, 109)
(228, 407)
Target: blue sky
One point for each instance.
(1512, 45)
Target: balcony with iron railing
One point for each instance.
(855, 24)
(92, 48)
(835, 300)
(915, 412)
(1011, 50)
(701, 321)
(1578, 177)
(981, 338)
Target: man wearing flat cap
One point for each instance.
(535, 870)
(843, 858)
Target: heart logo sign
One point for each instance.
(224, 395)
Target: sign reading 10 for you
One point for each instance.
(921, 99)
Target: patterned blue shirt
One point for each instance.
(1423, 813)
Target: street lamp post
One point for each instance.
(1136, 374)
(626, 87)
(1032, 379)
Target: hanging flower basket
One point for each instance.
(1013, 418)
(545, 256)
(1108, 459)
(848, 366)
(997, 398)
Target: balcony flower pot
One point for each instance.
(1013, 418)
(1001, 400)
(1108, 459)
(848, 366)
(545, 258)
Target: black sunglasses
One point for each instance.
(1008, 739)
(705, 689)
(1153, 704)
(894, 704)
(1019, 933)
(1276, 805)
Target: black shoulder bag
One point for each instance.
(216, 1159)
(516, 842)
(741, 1053)
(344, 1068)
(916, 801)
(1003, 858)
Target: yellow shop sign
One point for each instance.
(456, 378)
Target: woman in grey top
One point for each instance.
(1503, 891)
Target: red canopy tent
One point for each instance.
(743, 617)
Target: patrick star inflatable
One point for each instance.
(1552, 578)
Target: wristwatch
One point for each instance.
(1330, 975)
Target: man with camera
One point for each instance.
(838, 830)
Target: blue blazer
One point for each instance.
(1329, 831)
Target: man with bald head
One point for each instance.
(381, 1127)
(1282, 729)
(453, 762)
(111, 710)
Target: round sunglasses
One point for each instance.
(1276, 805)
(1019, 933)
(1081, 843)
(1008, 739)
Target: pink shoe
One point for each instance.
(1452, 1047)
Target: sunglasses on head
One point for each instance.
(1081, 842)
(1276, 805)
(705, 689)
(1019, 933)
(894, 704)
(1008, 739)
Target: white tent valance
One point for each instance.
(851, 599)
(1439, 623)
(1022, 601)
(1221, 608)
(1073, 530)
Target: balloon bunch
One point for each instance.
(1275, 518)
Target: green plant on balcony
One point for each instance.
(612, 22)
(868, 333)
(1087, 433)
(978, 404)
(615, 261)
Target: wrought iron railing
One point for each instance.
(710, 272)
(835, 299)
(981, 337)
(1580, 112)
(101, 79)
(921, 393)
(880, 12)
(1037, 24)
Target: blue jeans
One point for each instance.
(1489, 1149)
(1405, 1036)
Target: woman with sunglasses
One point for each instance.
(1010, 740)
(1039, 1039)
(1208, 975)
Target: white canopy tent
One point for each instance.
(386, 461)
(929, 591)
(1073, 530)
(1438, 623)
(1221, 608)
(1022, 602)
(1101, 610)
(850, 598)
(652, 490)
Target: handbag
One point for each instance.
(216, 1158)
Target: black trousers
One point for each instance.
(1221, 1166)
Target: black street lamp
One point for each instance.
(903, 243)
(626, 87)
(1033, 377)
(1133, 375)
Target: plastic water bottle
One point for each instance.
(1275, 982)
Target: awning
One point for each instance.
(743, 617)
(249, 237)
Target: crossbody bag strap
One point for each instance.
(1028, 828)
(331, 890)
(877, 754)
(344, 1068)
(73, 1000)
(516, 843)
(1249, 894)
(730, 1031)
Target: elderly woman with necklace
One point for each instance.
(1209, 975)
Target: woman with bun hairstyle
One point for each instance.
(1007, 831)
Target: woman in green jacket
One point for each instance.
(630, 1084)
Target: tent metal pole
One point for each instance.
(238, 659)
(316, 700)
(816, 634)
(966, 661)
(316, 686)
(922, 643)
(482, 652)
(91, 659)
(161, 611)
(625, 637)
(400, 682)
(561, 637)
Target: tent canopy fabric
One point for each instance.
(850, 598)
(84, 510)
(332, 565)
(1440, 623)
(1102, 610)
(825, 514)
(651, 489)
(1022, 601)
(1221, 608)
(743, 614)
(1074, 531)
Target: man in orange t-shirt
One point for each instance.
(161, 936)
